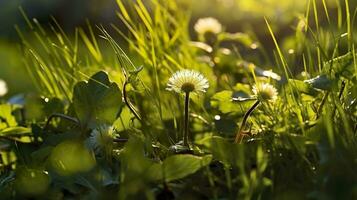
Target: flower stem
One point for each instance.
(59, 115)
(319, 110)
(128, 103)
(239, 135)
(185, 134)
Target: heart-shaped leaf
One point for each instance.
(97, 101)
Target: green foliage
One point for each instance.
(7, 119)
(31, 182)
(71, 157)
(177, 167)
(116, 133)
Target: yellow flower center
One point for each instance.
(265, 95)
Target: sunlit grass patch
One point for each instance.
(185, 108)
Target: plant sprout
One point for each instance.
(187, 81)
(264, 92)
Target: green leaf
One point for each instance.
(15, 131)
(42, 154)
(133, 75)
(71, 157)
(6, 118)
(223, 101)
(31, 182)
(97, 101)
(136, 71)
(342, 65)
(19, 134)
(34, 106)
(178, 166)
(231, 102)
(39, 108)
(303, 87)
(227, 152)
(321, 82)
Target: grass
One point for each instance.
(104, 125)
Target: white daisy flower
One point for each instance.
(101, 138)
(265, 92)
(3, 88)
(208, 25)
(188, 81)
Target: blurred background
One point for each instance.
(235, 15)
